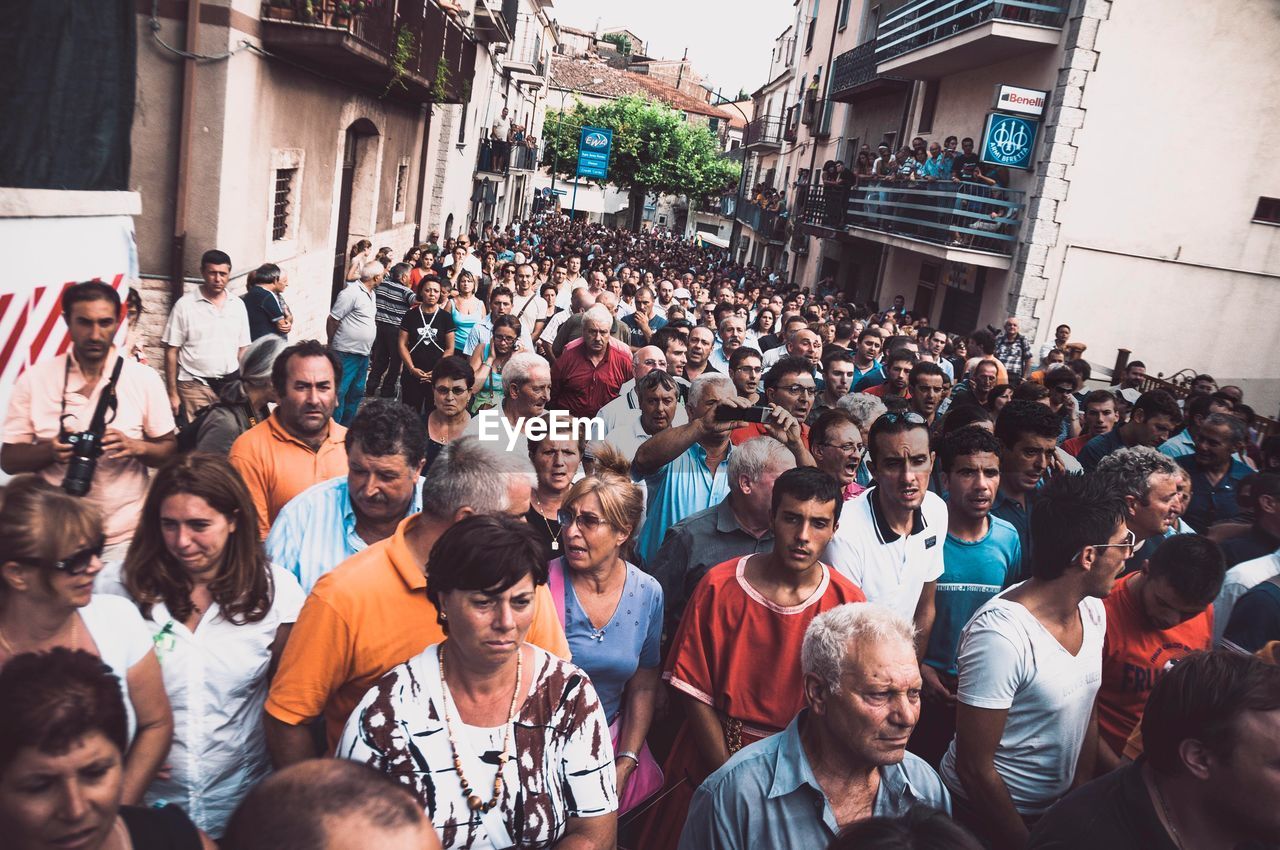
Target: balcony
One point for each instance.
(762, 133)
(524, 59)
(854, 76)
(495, 20)
(411, 52)
(770, 225)
(928, 39)
(520, 157)
(965, 222)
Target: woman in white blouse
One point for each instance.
(219, 615)
(502, 743)
(50, 554)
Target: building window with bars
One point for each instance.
(282, 204)
(402, 185)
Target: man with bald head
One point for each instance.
(586, 377)
(802, 343)
(643, 361)
(573, 327)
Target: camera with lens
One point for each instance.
(86, 445)
(86, 448)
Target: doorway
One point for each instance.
(359, 161)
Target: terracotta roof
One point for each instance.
(581, 74)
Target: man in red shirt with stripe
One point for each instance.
(586, 377)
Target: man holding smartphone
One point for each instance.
(790, 390)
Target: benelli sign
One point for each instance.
(1021, 101)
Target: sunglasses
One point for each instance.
(1130, 541)
(913, 418)
(586, 522)
(75, 564)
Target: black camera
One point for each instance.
(86, 448)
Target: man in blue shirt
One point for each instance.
(982, 556)
(1028, 431)
(867, 371)
(331, 521)
(842, 759)
(1215, 474)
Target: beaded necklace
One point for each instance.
(474, 803)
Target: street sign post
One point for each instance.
(1009, 140)
(594, 146)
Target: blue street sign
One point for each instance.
(1009, 140)
(594, 146)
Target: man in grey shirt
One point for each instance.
(842, 759)
(352, 329)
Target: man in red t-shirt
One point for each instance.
(897, 375)
(1155, 618)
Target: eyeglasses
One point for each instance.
(754, 370)
(585, 522)
(800, 389)
(450, 390)
(911, 418)
(1130, 541)
(847, 448)
(75, 564)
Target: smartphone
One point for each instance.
(729, 413)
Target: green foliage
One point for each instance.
(654, 149)
(400, 56)
(618, 40)
(440, 88)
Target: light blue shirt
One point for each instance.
(680, 489)
(766, 796)
(316, 530)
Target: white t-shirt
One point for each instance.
(122, 638)
(208, 337)
(529, 309)
(564, 296)
(890, 570)
(1008, 660)
(1239, 580)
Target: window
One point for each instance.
(842, 15)
(813, 23)
(462, 126)
(402, 185)
(1267, 211)
(928, 106)
(281, 204)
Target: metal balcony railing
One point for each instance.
(520, 157)
(412, 49)
(854, 72)
(768, 224)
(763, 132)
(525, 52)
(926, 22)
(956, 215)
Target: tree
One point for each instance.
(619, 41)
(654, 150)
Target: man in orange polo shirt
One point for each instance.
(299, 444)
(372, 612)
(1155, 618)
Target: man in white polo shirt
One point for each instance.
(891, 537)
(206, 332)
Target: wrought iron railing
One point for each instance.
(925, 22)
(856, 68)
(519, 157)
(768, 224)
(958, 215)
(766, 130)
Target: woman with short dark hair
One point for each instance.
(63, 733)
(448, 724)
(219, 616)
(452, 383)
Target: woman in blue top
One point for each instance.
(488, 362)
(467, 310)
(612, 613)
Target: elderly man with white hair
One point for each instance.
(574, 327)
(526, 381)
(645, 360)
(843, 759)
(352, 329)
(586, 377)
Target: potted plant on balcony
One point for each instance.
(401, 55)
(280, 10)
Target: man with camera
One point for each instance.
(91, 420)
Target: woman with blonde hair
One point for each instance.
(361, 253)
(50, 553)
(612, 613)
(219, 615)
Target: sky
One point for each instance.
(729, 41)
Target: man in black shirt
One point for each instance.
(1208, 778)
(1260, 494)
(264, 302)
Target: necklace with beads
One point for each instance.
(474, 803)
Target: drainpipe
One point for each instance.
(177, 247)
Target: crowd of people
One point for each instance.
(813, 574)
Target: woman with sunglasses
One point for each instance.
(556, 464)
(612, 614)
(52, 545)
(219, 616)
(489, 361)
(452, 381)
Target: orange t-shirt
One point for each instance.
(738, 436)
(276, 466)
(1135, 656)
(363, 618)
(882, 390)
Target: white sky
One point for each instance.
(729, 41)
